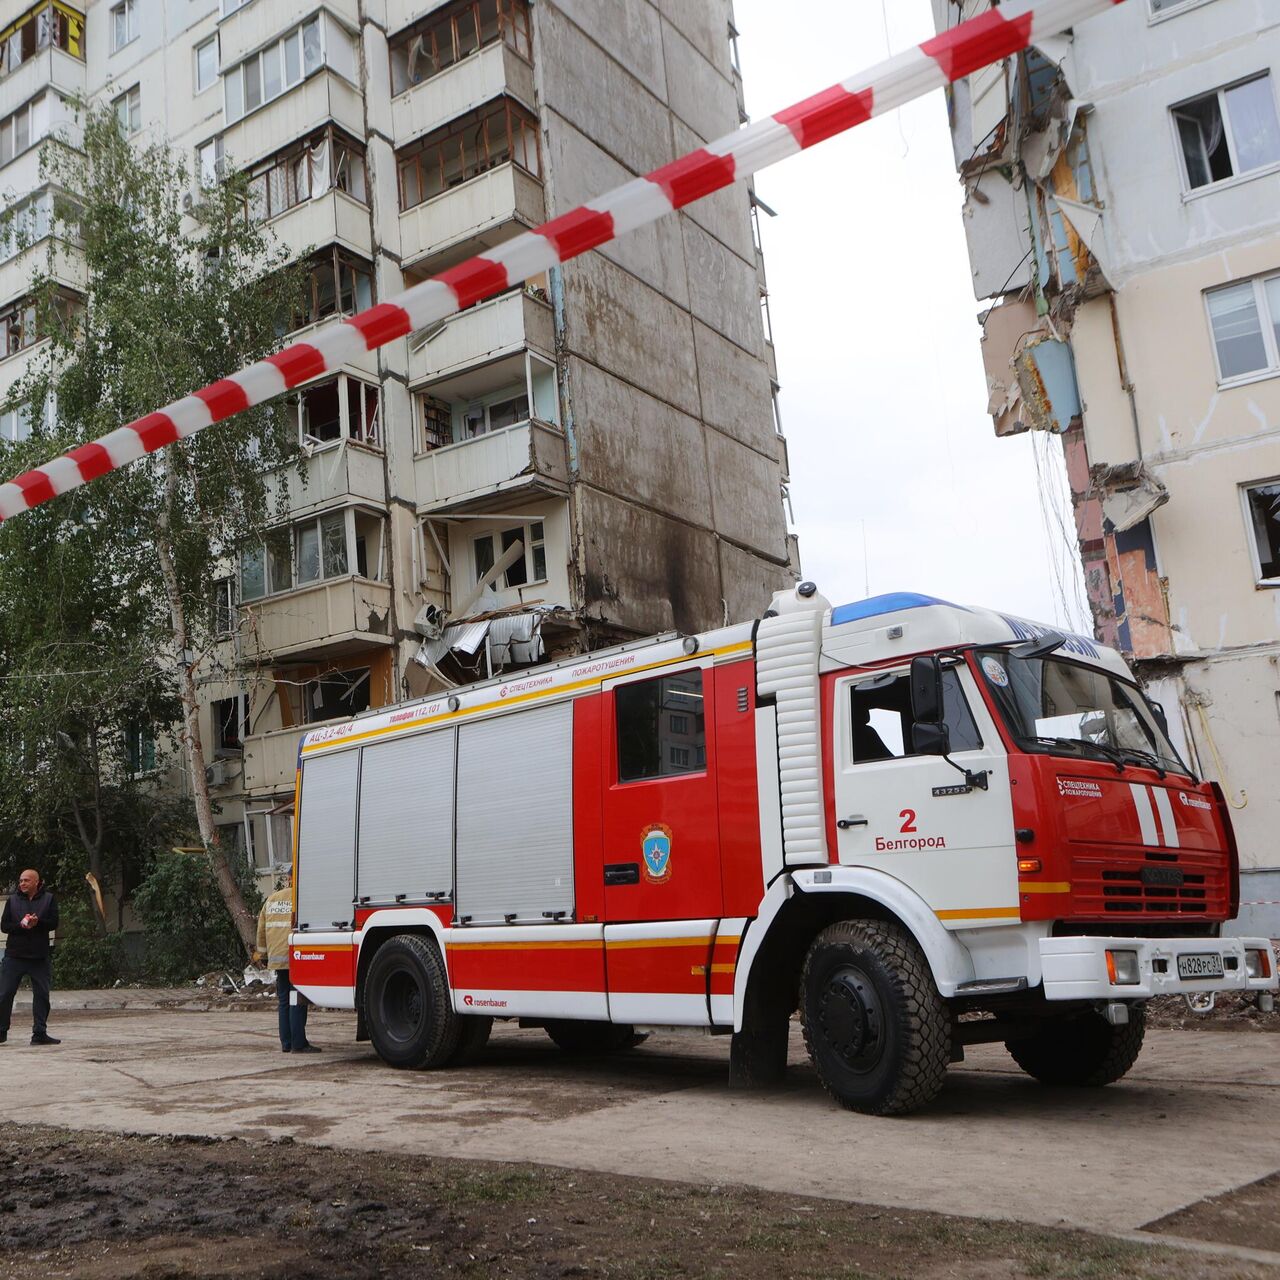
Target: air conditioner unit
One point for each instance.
(188, 201)
(216, 774)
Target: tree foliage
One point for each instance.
(106, 593)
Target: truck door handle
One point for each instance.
(856, 821)
(622, 873)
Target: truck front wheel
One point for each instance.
(1083, 1049)
(406, 1004)
(878, 1032)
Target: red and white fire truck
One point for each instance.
(886, 814)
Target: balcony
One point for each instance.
(249, 28)
(332, 474)
(321, 620)
(67, 268)
(323, 97)
(481, 474)
(481, 334)
(487, 73)
(271, 760)
(333, 218)
(50, 68)
(471, 217)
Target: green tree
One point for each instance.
(173, 300)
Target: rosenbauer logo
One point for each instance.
(1195, 802)
(473, 1003)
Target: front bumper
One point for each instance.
(1076, 968)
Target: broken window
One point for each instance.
(643, 712)
(230, 724)
(494, 135)
(337, 694)
(224, 606)
(436, 44)
(341, 406)
(1229, 132)
(881, 720)
(435, 419)
(1245, 319)
(321, 547)
(140, 748)
(1263, 502)
(335, 281)
(527, 568)
(304, 171)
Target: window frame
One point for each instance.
(286, 187)
(1260, 583)
(219, 158)
(140, 749)
(956, 670)
(1155, 15)
(471, 125)
(697, 745)
(1267, 322)
(1219, 92)
(293, 532)
(212, 41)
(369, 438)
(131, 99)
(513, 16)
(339, 259)
(221, 748)
(494, 537)
(276, 49)
(128, 9)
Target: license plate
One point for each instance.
(1200, 966)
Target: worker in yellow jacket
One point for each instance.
(274, 923)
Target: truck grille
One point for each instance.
(1163, 884)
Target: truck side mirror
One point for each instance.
(930, 739)
(926, 691)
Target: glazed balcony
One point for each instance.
(322, 97)
(322, 619)
(481, 334)
(483, 474)
(487, 73)
(471, 217)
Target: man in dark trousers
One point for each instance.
(29, 917)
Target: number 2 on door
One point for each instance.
(908, 817)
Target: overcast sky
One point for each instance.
(874, 319)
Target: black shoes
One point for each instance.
(309, 1048)
(45, 1039)
(4, 1035)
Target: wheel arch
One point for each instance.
(379, 928)
(798, 907)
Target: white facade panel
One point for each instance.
(406, 818)
(327, 841)
(515, 817)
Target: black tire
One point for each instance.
(473, 1035)
(877, 1031)
(578, 1037)
(406, 1004)
(1082, 1050)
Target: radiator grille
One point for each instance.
(1116, 886)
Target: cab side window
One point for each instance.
(880, 717)
(661, 727)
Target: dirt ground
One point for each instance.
(103, 1207)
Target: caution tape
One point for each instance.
(996, 34)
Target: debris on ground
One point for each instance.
(97, 1206)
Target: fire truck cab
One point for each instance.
(886, 815)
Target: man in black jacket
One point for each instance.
(29, 916)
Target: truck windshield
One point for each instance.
(1066, 708)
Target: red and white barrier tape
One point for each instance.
(966, 48)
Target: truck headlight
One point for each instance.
(1122, 968)
(1257, 963)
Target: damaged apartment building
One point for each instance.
(1122, 211)
(588, 457)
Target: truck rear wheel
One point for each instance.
(877, 1031)
(406, 1004)
(574, 1036)
(1084, 1049)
